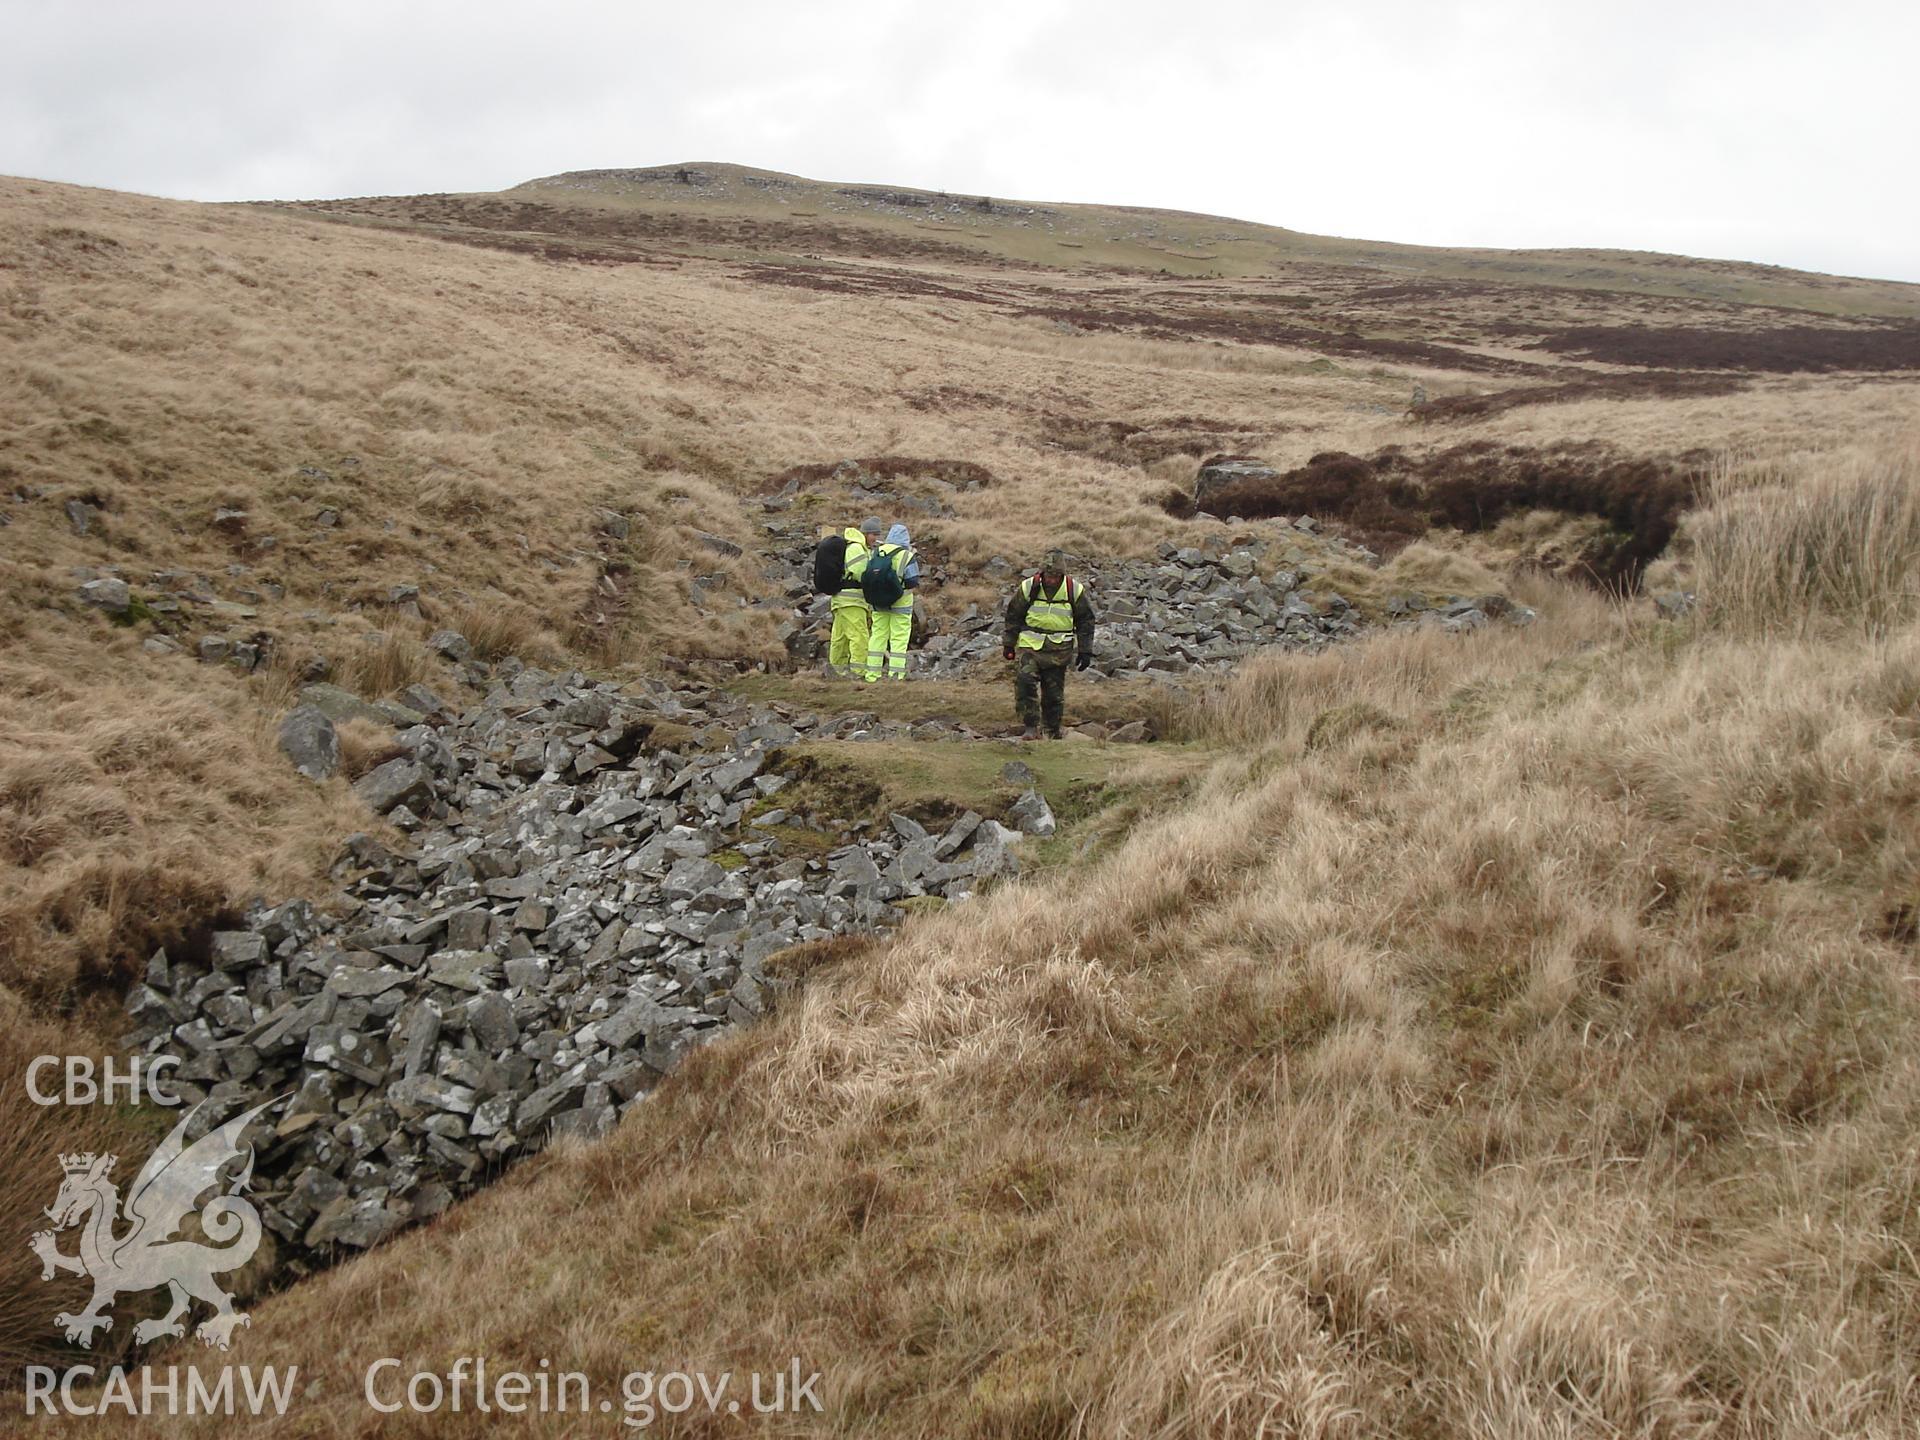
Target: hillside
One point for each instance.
(1430, 1033)
(720, 208)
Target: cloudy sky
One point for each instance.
(1763, 130)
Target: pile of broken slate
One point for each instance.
(1202, 607)
(593, 883)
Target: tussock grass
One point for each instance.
(1533, 1059)
(105, 810)
(497, 628)
(385, 661)
(1776, 548)
(364, 745)
(1276, 698)
(1437, 569)
(1508, 1034)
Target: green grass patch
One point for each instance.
(1098, 792)
(983, 704)
(138, 612)
(941, 778)
(801, 839)
(672, 735)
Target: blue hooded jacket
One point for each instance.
(897, 535)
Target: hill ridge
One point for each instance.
(709, 180)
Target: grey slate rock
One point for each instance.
(109, 594)
(541, 950)
(958, 834)
(690, 876)
(490, 1020)
(450, 643)
(422, 1093)
(237, 949)
(308, 739)
(338, 705)
(1031, 814)
(354, 983)
(991, 856)
(398, 782)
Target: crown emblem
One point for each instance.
(80, 1164)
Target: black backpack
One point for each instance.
(880, 582)
(830, 565)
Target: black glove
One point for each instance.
(1083, 662)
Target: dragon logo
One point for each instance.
(146, 1255)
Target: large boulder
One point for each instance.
(109, 594)
(308, 738)
(991, 856)
(338, 705)
(450, 643)
(398, 782)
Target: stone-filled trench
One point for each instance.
(594, 879)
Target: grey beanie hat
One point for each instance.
(873, 525)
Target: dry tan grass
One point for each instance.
(1186, 244)
(30, 1176)
(1797, 417)
(385, 661)
(1777, 549)
(134, 806)
(1511, 1036)
(1532, 1060)
(363, 745)
(1278, 698)
(496, 628)
(468, 417)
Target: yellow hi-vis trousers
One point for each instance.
(847, 649)
(887, 649)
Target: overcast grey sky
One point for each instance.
(1764, 130)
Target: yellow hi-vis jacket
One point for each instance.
(1049, 617)
(857, 556)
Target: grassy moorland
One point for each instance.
(1504, 1034)
(735, 208)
